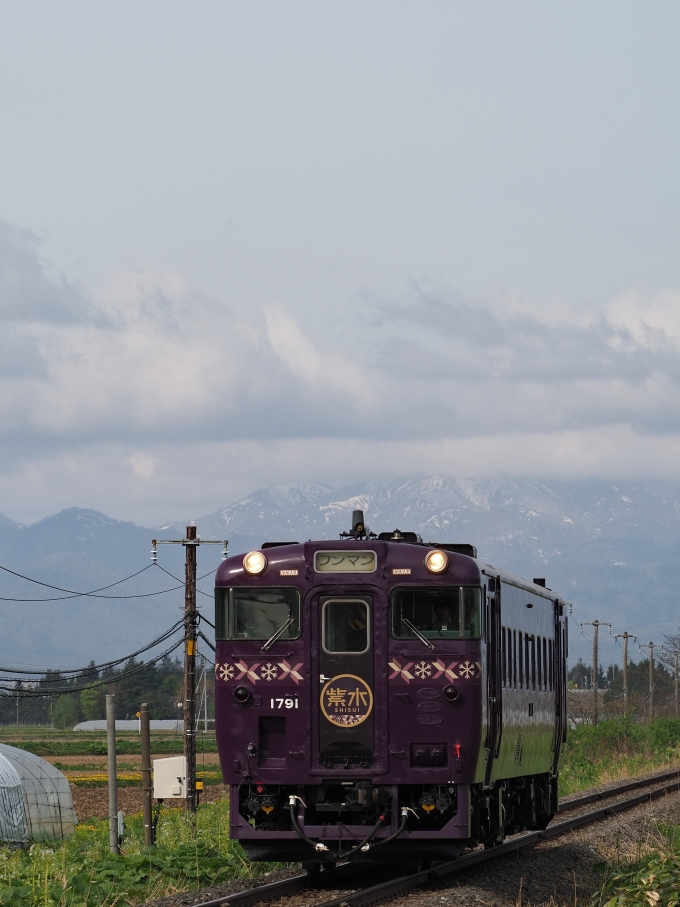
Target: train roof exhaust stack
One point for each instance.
(359, 528)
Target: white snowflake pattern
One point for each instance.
(268, 672)
(423, 670)
(225, 672)
(467, 670)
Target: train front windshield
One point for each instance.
(256, 613)
(452, 612)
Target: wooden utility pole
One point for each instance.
(191, 617)
(114, 847)
(651, 678)
(675, 654)
(625, 637)
(596, 624)
(145, 730)
(190, 627)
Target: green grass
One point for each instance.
(618, 749)
(614, 750)
(652, 880)
(80, 872)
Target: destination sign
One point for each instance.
(345, 561)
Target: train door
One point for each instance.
(494, 678)
(560, 682)
(346, 688)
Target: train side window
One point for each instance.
(545, 665)
(550, 664)
(539, 665)
(532, 646)
(345, 626)
(472, 612)
(521, 661)
(527, 665)
(252, 613)
(514, 658)
(504, 657)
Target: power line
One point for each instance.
(210, 573)
(72, 593)
(94, 593)
(90, 669)
(43, 691)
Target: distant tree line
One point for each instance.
(611, 679)
(159, 684)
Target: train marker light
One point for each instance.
(254, 562)
(436, 561)
(242, 694)
(451, 693)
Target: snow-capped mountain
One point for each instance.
(613, 549)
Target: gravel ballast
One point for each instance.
(557, 873)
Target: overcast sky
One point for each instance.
(249, 243)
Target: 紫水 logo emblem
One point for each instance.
(346, 700)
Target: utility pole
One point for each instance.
(675, 654)
(191, 617)
(625, 637)
(144, 727)
(651, 677)
(114, 847)
(596, 624)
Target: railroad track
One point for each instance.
(340, 879)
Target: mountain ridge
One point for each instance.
(613, 548)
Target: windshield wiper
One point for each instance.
(425, 642)
(282, 629)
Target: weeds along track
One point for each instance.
(339, 888)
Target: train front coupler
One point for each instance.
(362, 846)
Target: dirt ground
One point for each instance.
(93, 802)
(96, 762)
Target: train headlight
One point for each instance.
(436, 561)
(254, 562)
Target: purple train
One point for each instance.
(383, 698)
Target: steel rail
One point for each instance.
(403, 883)
(285, 887)
(578, 802)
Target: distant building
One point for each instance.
(165, 724)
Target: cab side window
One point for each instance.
(252, 613)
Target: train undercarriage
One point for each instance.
(359, 820)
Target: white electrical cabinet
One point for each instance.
(170, 778)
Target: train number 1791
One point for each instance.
(284, 703)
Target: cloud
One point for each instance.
(150, 370)
(27, 294)
(143, 464)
